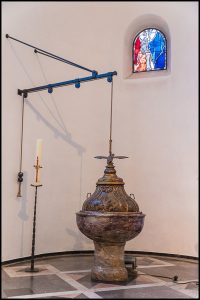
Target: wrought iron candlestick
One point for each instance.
(36, 185)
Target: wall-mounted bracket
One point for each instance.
(20, 93)
(76, 82)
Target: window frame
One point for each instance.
(133, 43)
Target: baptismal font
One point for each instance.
(110, 217)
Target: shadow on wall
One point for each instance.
(57, 133)
(80, 240)
(22, 214)
(62, 133)
(67, 138)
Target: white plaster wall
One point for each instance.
(154, 123)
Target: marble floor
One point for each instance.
(68, 276)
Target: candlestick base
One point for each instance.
(32, 270)
(36, 184)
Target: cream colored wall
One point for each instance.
(154, 122)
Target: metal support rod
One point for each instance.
(32, 268)
(111, 106)
(94, 73)
(77, 82)
(33, 237)
(52, 55)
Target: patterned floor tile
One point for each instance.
(159, 292)
(20, 271)
(85, 280)
(72, 263)
(18, 292)
(183, 272)
(144, 261)
(35, 285)
(68, 296)
(69, 277)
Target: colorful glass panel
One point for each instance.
(149, 51)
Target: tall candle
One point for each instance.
(39, 151)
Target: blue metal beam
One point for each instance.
(76, 82)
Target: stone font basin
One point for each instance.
(110, 226)
(110, 218)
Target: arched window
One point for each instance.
(149, 51)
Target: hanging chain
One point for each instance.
(20, 174)
(111, 105)
(22, 134)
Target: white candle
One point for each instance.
(39, 151)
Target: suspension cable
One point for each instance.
(111, 109)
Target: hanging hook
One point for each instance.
(50, 89)
(94, 73)
(133, 196)
(109, 78)
(77, 84)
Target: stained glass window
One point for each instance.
(149, 51)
